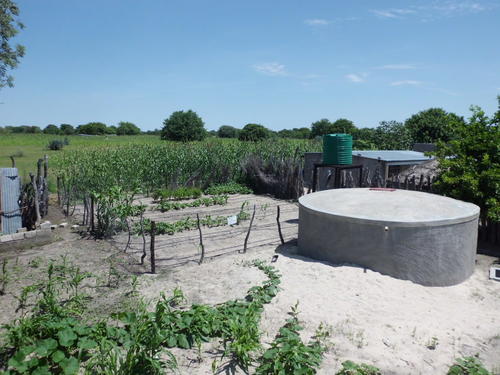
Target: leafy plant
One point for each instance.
(468, 366)
(228, 188)
(208, 201)
(352, 368)
(55, 145)
(288, 354)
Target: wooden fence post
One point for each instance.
(279, 226)
(249, 229)
(91, 214)
(201, 240)
(152, 247)
(13, 161)
(37, 203)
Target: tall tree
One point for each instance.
(254, 132)
(127, 128)
(432, 125)
(9, 27)
(183, 126)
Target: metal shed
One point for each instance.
(10, 190)
(391, 162)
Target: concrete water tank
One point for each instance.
(426, 238)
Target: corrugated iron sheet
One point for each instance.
(10, 189)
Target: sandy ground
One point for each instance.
(396, 325)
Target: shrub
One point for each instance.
(51, 129)
(55, 145)
(92, 128)
(183, 126)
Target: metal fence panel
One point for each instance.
(10, 189)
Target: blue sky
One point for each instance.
(283, 63)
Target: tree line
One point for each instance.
(92, 128)
(429, 126)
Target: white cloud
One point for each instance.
(397, 66)
(316, 22)
(435, 10)
(355, 78)
(392, 13)
(406, 82)
(271, 69)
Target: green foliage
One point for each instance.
(470, 164)
(221, 200)
(351, 368)
(432, 125)
(226, 131)
(127, 128)
(181, 225)
(177, 194)
(288, 354)
(183, 126)
(228, 188)
(254, 133)
(55, 145)
(468, 366)
(324, 126)
(153, 166)
(92, 128)
(54, 339)
(51, 129)
(112, 210)
(67, 129)
(9, 27)
(392, 135)
(296, 133)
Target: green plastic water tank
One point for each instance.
(337, 149)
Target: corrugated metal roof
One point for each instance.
(10, 189)
(393, 155)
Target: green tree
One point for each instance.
(364, 139)
(343, 125)
(183, 126)
(9, 27)
(127, 128)
(254, 132)
(67, 129)
(295, 133)
(432, 125)
(227, 131)
(111, 129)
(92, 128)
(51, 129)
(470, 163)
(392, 135)
(320, 128)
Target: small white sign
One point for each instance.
(232, 220)
(495, 272)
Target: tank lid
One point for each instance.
(396, 206)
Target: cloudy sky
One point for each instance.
(281, 63)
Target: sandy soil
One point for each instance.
(396, 325)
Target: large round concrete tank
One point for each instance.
(426, 238)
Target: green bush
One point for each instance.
(468, 366)
(55, 145)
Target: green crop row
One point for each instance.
(164, 206)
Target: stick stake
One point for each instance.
(279, 226)
(249, 229)
(201, 240)
(152, 247)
